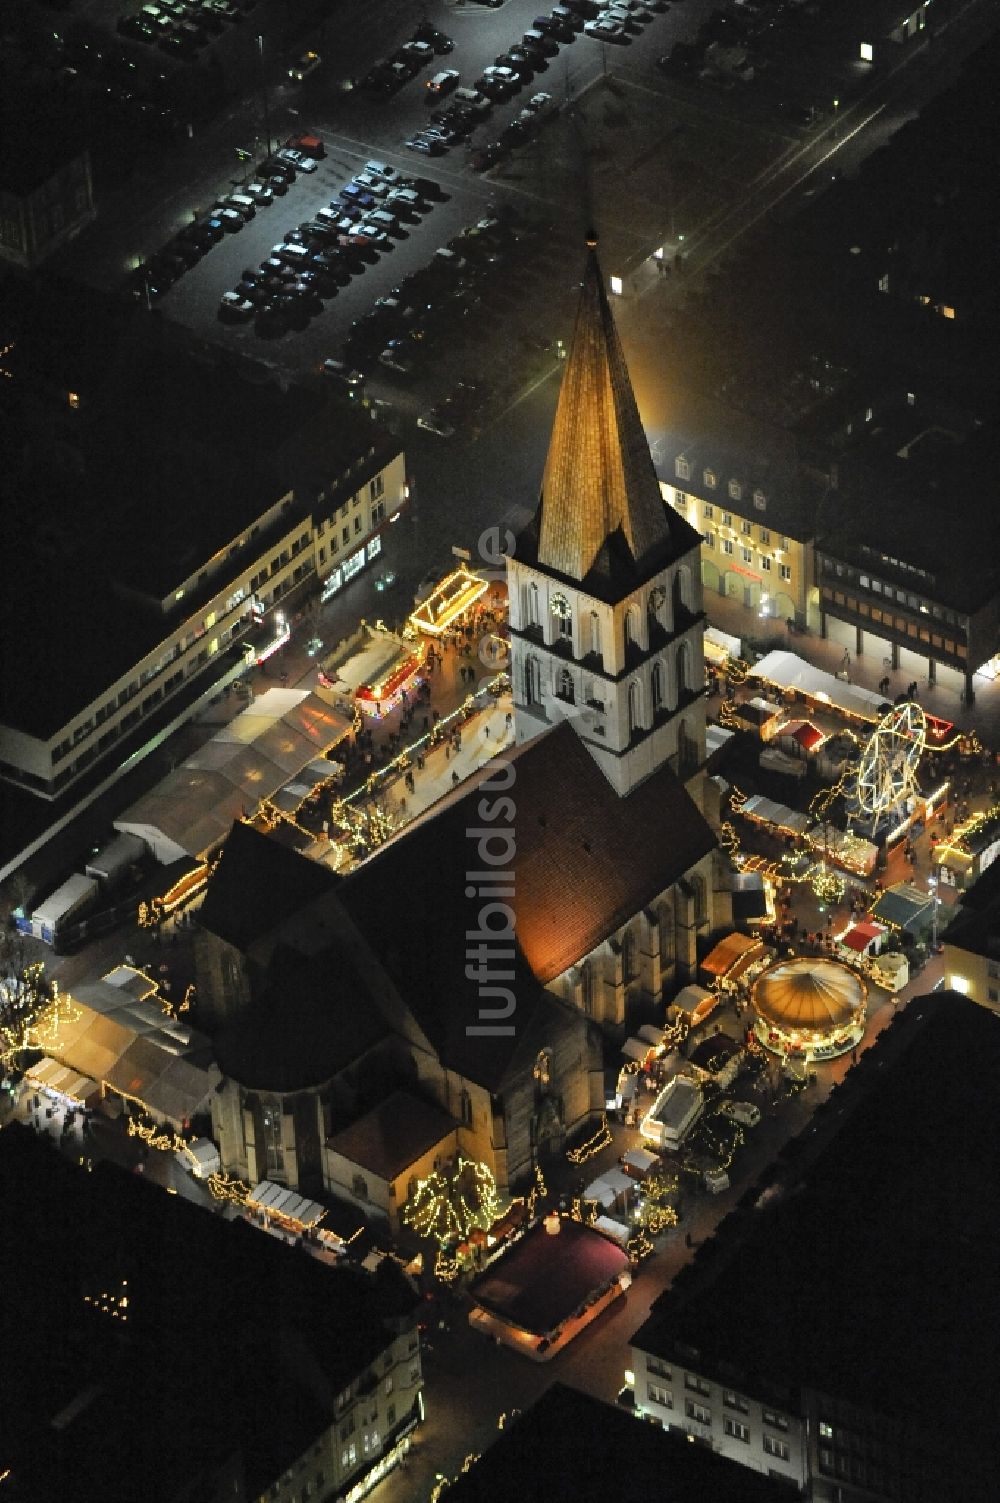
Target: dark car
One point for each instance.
(425, 32)
(426, 187)
(188, 250)
(279, 167)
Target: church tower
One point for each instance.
(605, 586)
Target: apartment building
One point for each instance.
(907, 553)
(285, 1378)
(195, 544)
(740, 484)
(46, 189)
(837, 1331)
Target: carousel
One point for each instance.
(809, 1008)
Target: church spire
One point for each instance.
(600, 503)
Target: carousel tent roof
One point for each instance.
(810, 992)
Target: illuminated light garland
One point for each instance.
(593, 1146)
(446, 1269)
(639, 1247)
(737, 671)
(538, 1192)
(222, 1187)
(115, 1305)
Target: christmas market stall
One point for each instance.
(375, 669)
(809, 1007)
(548, 1287)
(449, 601)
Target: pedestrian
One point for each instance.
(454, 778)
(486, 732)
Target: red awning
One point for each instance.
(861, 936)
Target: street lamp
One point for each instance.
(263, 90)
(932, 883)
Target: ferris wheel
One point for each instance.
(887, 772)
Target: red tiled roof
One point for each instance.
(393, 1135)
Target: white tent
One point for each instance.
(600, 1191)
(786, 671)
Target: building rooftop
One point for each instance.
(879, 1250)
(393, 1135)
(542, 1279)
(155, 1320)
(975, 922)
(569, 1447)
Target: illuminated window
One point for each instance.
(682, 469)
(867, 52)
(709, 479)
(73, 398)
(947, 311)
(616, 285)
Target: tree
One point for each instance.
(24, 994)
(450, 1202)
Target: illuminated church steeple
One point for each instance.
(605, 589)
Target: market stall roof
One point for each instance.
(650, 1033)
(635, 1049)
(808, 736)
(193, 808)
(278, 1200)
(731, 956)
(449, 599)
(809, 993)
(541, 1280)
(749, 897)
(56, 1077)
(770, 812)
(861, 936)
(787, 671)
(688, 998)
(601, 1191)
(903, 907)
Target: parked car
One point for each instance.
(303, 66)
(426, 187)
(232, 305)
(605, 30)
(229, 214)
(426, 144)
(391, 176)
(341, 372)
(298, 159)
(441, 43)
(420, 52)
(434, 422)
(309, 143)
(442, 83)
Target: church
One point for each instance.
(472, 971)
